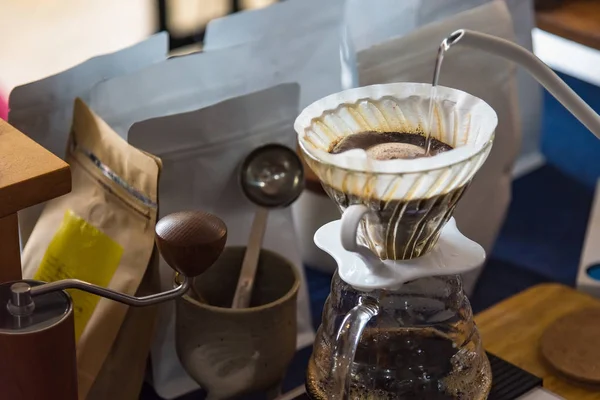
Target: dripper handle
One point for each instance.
(349, 230)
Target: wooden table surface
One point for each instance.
(29, 174)
(576, 20)
(512, 329)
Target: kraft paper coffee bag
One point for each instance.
(103, 233)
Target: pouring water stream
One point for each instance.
(444, 47)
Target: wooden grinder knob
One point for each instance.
(190, 241)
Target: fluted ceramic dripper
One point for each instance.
(410, 200)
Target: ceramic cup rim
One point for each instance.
(228, 310)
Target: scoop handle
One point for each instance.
(243, 291)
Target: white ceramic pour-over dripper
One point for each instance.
(453, 254)
(410, 199)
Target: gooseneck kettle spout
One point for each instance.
(536, 67)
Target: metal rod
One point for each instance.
(110, 294)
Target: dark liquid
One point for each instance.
(367, 140)
(414, 364)
(417, 222)
(417, 231)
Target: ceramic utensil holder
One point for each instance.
(230, 352)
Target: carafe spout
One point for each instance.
(347, 339)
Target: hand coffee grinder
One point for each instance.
(37, 339)
(397, 324)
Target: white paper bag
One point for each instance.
(529, 90)
(173, 86)
(44, 109)
(234, 65)
(376, 21)
(411, 58)
(194, 81)
(308, 36)
(201, 152)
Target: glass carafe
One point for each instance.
(415, 342)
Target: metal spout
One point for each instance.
(536, 67)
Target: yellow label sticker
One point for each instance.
(79, 250)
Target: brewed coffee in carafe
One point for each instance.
(404, 352)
